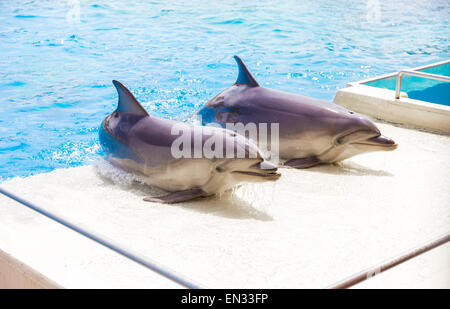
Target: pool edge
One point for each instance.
(381, 104)
(15, 274)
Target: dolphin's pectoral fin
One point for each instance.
(303, 162)
(177, 197)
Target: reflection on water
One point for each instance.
(56, 65)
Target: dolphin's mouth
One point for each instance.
(267, 175)
(262, 169)
(367, 140)
(380, 141)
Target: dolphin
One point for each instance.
(311, 131)
(142, 144)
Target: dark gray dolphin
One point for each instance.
(311, 131)
(142, 144)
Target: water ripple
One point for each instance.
(56, 71)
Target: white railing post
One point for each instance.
(417, 74)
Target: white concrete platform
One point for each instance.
(381, 104)
(310, 229)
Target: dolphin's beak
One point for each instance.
(381, 142)
(262, 169)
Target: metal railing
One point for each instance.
(108, 243)
(377, 269)
(417, 74)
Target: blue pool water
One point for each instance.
(424, 89)
(56, 69)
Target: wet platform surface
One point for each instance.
(310, 229)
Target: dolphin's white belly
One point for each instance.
(182, 175)
(179, 175)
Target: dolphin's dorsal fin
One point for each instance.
(244, 77)
(127, 101)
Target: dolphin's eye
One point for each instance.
(116, 115)
(351, 112)
(220, 169)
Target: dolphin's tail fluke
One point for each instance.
(244, 77)
(127, 101)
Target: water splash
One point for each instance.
(255, 194)
(117, 176)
